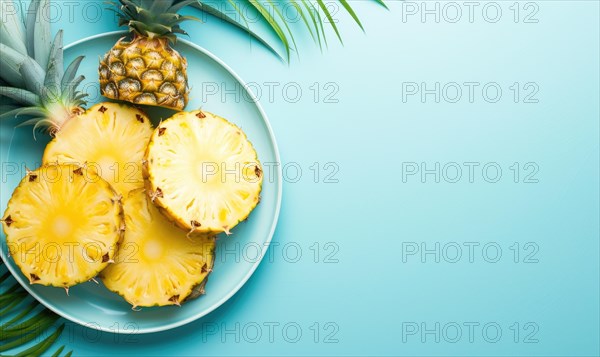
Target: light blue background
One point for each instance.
(371, 216)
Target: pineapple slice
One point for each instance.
(109, 138)
(202, 172)
(62, 225)
(157, 264)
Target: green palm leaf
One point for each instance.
(23, 320)
(330, 19)
(244, 27)
(266, 15)
(313, 14)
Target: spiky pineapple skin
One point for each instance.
(150, 169)
(109, 138)
(58, 254)
(145, 71)
(146, 276)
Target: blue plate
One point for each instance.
(215, 88)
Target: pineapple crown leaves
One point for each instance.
(160, 19)
(25, 320)
(33, 81)
(153, 18)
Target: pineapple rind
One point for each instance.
(63, 224)
(157, 264)
(170, 160)
(109, 138)
(145, 71)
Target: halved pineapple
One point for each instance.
(202, 172)
(109, 138)
(157, 264)
(62, 225)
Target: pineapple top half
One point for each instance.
(145, 69)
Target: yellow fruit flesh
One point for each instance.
(157, 264)
(203, 172)
(108, 138)
(62, 225)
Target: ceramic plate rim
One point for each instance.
(279, 173)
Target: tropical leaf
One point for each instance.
(23, 320)
(244, 27)
(315, 16)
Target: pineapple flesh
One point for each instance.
(202, 172)
(62, 225)
(157, 264)
(108, 138)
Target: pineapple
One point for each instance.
(62, 225)
(33, 83)
(109, 138)
(157, 264)
(202, 172)
(146, 70)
